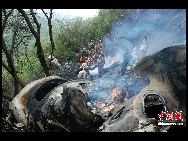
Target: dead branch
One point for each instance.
(8, 55)
(6, 67)
(21, 40)
(45, 13)
(14, 35)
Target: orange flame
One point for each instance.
(116, 92)
(106, 108)
(110, 107)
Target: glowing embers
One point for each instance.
(116, 92)
(108, 107)
(110, 102)
(103, 99)
(153, 105)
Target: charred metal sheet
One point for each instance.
(166, 70)
(53, 105)
(78, 84)
(26, 95)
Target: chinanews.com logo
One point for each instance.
(170, 116)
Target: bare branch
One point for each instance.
(51, 36)
(40, 51)
(29, 23)
(7, 96)
(35, 20)
(11, 70)
(57, 125)
(22, 84)
(9, 59)
(45, 13)
(14, 34)
(10, 12)
(22, 40)
(6, 17)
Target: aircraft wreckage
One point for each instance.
(54, 104)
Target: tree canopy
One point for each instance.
(78, 32)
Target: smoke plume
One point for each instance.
(163, 28)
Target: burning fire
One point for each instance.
(106, 108)
(116, 92)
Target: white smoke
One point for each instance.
(163, 28)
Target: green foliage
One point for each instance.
(78, 32)
(103, 22)
(69, 35)
(27, 72)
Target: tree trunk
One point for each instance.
(14, 75)
(11, 67)
(51, 36)
(14, 90)
(40, 51)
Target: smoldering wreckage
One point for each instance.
(55, 104)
